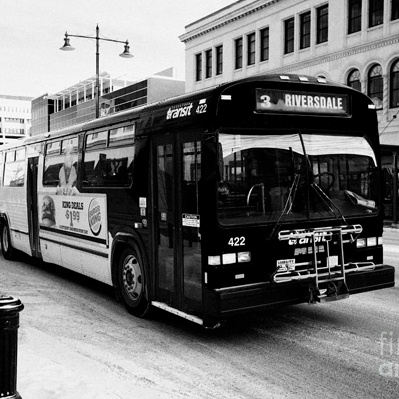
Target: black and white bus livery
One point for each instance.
(258, 193)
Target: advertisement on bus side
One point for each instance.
(82, 214)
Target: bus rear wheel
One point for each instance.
(132, 283)
(6, 247)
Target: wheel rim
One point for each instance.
(132, 278)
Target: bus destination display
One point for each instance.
(297, 102)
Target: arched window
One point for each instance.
(354, 80)
(375, 85)
(394, 86)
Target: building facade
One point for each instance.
(15, 117)
(77, 104)
(353, 42)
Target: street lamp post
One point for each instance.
(126, 54)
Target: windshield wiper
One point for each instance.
(288, 204)
(328, 202)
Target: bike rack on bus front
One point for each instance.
(335, 268)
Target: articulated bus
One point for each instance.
(255, 194)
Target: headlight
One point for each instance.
(229, 259)
(243, 257)
(368, 242)
(214, 260)
(361, 243)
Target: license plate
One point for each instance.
(333, 260)
(284, 265)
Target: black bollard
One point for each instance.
(9, 323)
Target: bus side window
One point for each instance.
(61, 162)
(14, 171)
(109, 163)
(52, 164)
(111, 167)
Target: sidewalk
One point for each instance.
(390, 223)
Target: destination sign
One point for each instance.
(299, 102)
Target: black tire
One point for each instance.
(6, 247)
(132, 282)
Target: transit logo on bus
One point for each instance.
(298, 102)
(179, 111)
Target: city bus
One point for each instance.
(251, 195)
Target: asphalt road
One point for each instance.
(76, 341)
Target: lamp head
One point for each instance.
(67, 46)
(126, 53)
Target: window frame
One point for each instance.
(322, 15)
(373, 80)
(251, 49)
(354, 16)
(198, 67)
(208, 63)
(289, 35)
(219, 60)
(376, 13)
(394, 85)
(238, 53)
(305, 30)
(264, 40)
(394, 10)
(353, 83)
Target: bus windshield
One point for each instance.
(295, 176)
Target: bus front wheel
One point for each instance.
(132, 283)
(6, 247)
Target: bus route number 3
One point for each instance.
(236, 241)
(265, 101)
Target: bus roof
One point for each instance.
(178, 107)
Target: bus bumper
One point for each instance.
(228, 302)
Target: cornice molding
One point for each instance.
(341, 54)
(189, 36)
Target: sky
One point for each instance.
(32, 32)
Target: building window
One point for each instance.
(238, 53)
(394, 86)
(219, 60)
(208, 63)
(376, 12)
(354, 16)
(264, 44)
(375, 85)
(395, 10)
(354, 80)
(289, 34)
(305, 30)
(251, 49)
(198, 67)
(322, 24)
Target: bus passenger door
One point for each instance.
(178, 280)
(165, 223)
(33, 219)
